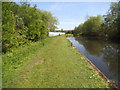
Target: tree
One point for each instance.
(8, 25)
(112, 21)
(22, 24)
(90, 27)
(51, 20)
(61, 30)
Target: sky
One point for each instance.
(71, 14)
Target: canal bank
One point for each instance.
(93, 52)
(52, 65)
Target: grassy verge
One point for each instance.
(51, 63)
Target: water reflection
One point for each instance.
(91, 45)
(111, 56)
(105, 55)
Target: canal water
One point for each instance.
(103, 54)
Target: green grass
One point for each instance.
(54, 64)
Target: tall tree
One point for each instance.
(112, 21)
(23, 23)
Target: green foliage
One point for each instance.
(77, 30)
(59, 30)
(112, 21)
(69, 32)
(8, 25)
(109, 27)
(22, 24)
(90, 27)
(51, 20)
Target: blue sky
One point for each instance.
(71, 14)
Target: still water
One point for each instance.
(103, 54)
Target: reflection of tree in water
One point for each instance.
(111, 56)
(92, 45)
(110, 52)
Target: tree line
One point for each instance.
(22, 24)
(107, 26)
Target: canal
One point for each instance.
(103, 54)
